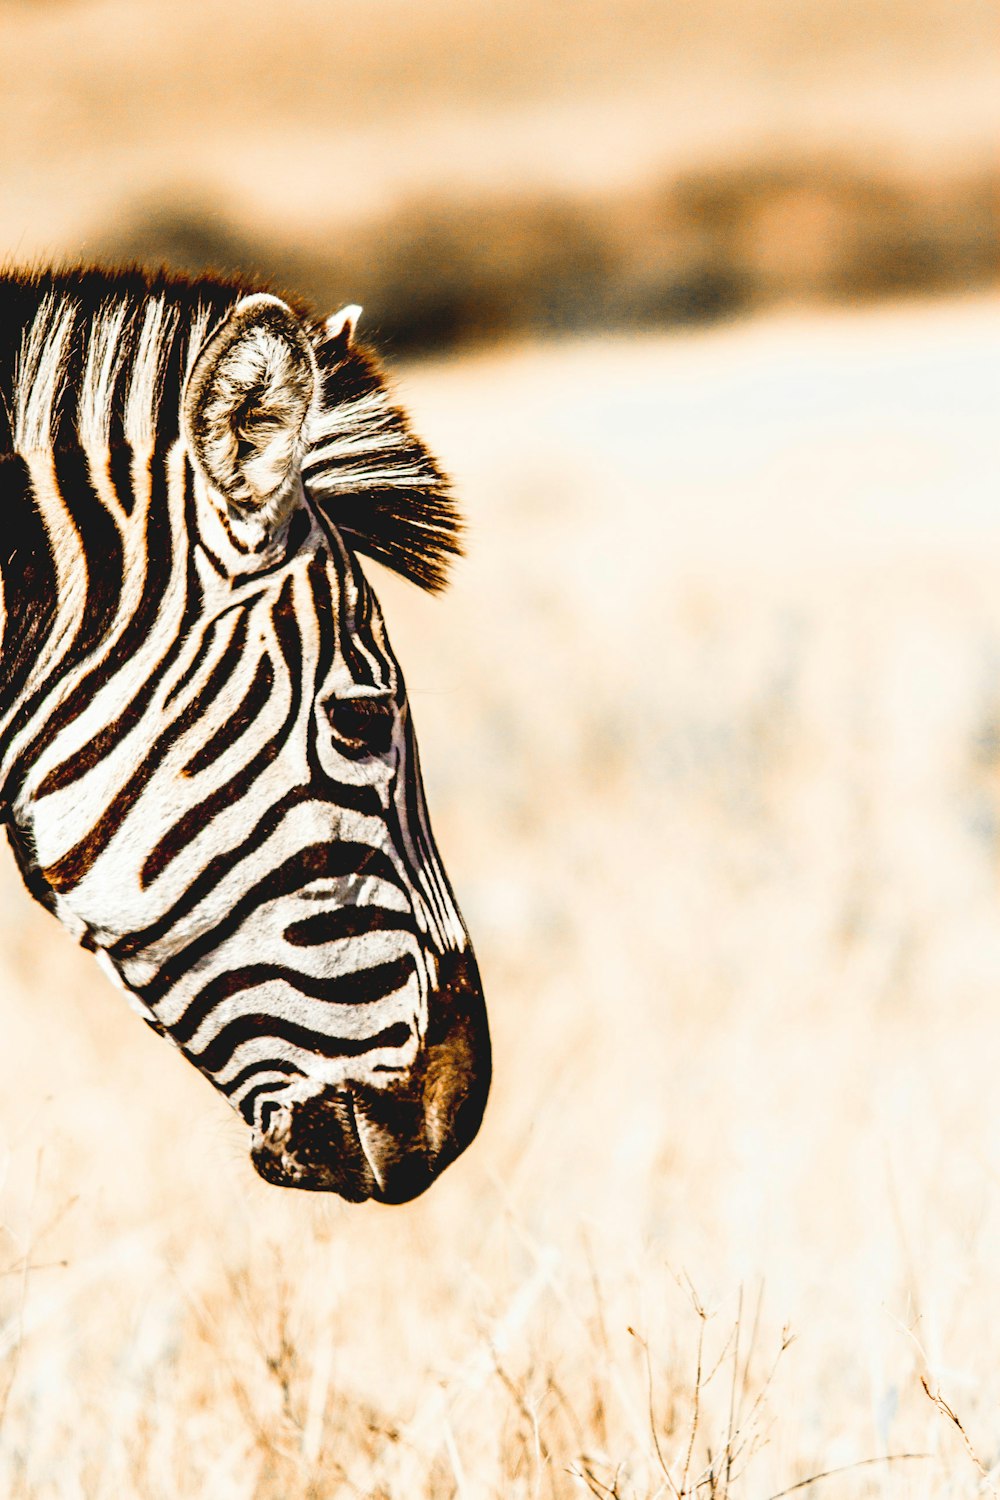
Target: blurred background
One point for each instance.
(698, 303)
(472, 170)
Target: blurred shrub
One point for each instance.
(709, 244)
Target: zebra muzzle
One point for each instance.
(390, 1143)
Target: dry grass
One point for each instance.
(711, 724)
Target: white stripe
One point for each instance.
(367, 441)
(39, 374)
(400, 476)
(275, 1081)
(102, 706)
(197, 334)
(106, 349)
(278, 998)
(143, 399)
(316, 1070)
(364, 413)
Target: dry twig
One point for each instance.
(953, 1417)
(861, 1463)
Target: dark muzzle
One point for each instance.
(390, 1143)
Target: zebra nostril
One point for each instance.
(268, 1110)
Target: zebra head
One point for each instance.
(210, 770)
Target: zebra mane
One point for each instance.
(372, 476)
(98, 359)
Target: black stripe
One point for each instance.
(357, 664)
(188, 826)
(101, 542)
(245, 1028)
(435, 888)
(29, 582)
(234, 541)
(208, 636)
(252, 1095)
(158, 547)
(218, 868)
(299, 528)
(239, 721)
(120, 472)
(271, 1065)
(319, 585)
(346, 922)
(73, 866)
(360, 987)
(315, 862)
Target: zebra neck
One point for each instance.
(95, 581)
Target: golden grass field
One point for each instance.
(711, 731)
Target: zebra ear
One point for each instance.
(339, 328)
(245, 405)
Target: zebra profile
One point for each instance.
(209, 772)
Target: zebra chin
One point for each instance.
(390, 1143)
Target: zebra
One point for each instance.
(208, 770)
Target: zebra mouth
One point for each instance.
(317, 1146)
(334, 1146)
(389, 1143)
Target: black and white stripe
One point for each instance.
(209, 768)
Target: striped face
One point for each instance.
(222, 796)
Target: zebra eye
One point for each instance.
(364, 725)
